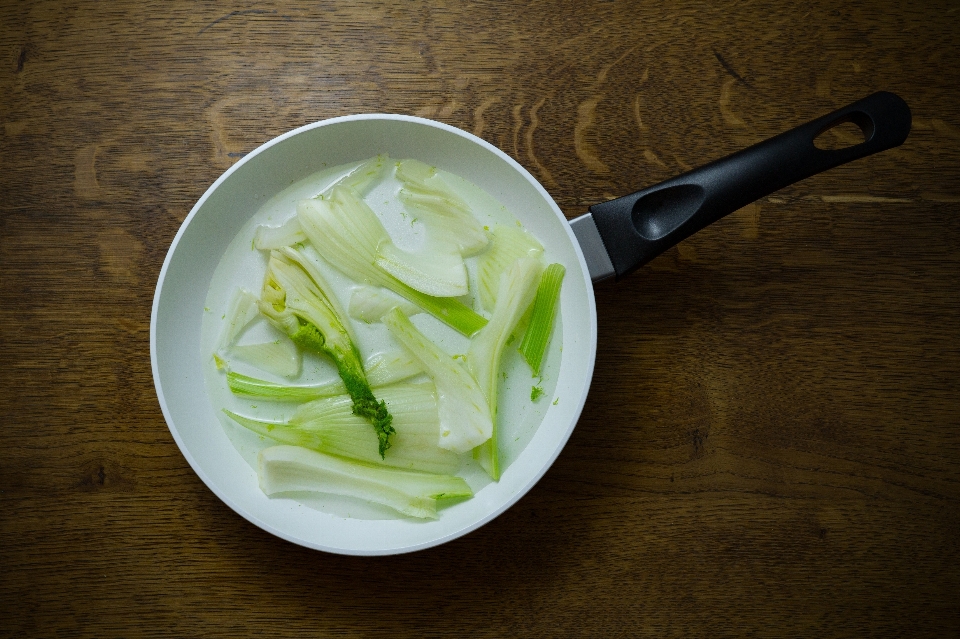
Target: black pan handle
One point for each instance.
(638, 227)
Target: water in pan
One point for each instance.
(244, 266)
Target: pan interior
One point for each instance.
(216, 221)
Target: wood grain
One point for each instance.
(771, 446)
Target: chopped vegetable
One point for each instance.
(439, 208)
(285, 469)
(279, 357)
(247, 386)
(536, 393)
(392, 366)
(538, 332)
(295, 300)
(360, 179)
(328, 425)
(242, 310)
(348, 234)
(465, 420)
(438, 271)
(508, 244)
(273, 237)
(381, 369)
(369, 303)
(518, 288)
(363, 178)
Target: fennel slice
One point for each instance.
(507, 245)
(369, 303)
(283, 469)
(518, 288)
(346, 233)
(438, 270)
(280, 357)
(465, 420)
(273, 237)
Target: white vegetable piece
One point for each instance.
(361, 179)
(439, 208)
(329, 426)
(391, 366)
(273, 237)
(518, 288)
(348, 238)
(507, 245)
(381, 369)
(308, 259)
(349, 242)
(369, 303)
(279, 357)
(283, 469)
(243, 310)
(347, 231)
(415, 418)
(465, 420)
(438, 270)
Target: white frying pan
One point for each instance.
(611, 240)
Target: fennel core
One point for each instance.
(351, 372)
(295, 300)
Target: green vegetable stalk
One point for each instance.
(518, 287)
(247, 386)
(295, 300)
(537, 335)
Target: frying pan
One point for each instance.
(609, 241)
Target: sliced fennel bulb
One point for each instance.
(391, 366)
(518, 288)
(285, 469)
(242, 310)
(279, 356)
(445, 214)
(348, 234)
(438, 271)
(465, 420)
(361, 179)
(297, 300)
(329, 425)
(246, 386)
(507, 245)
(274, 237)
(381, 369)
(369, 303)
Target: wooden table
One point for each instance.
(771, 444)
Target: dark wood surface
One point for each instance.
(771, 446)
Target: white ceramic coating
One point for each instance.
(229, 204)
